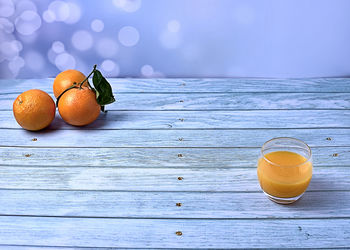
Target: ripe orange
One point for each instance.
(79, 107)
(66, 79)
(34, 109)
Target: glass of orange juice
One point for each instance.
(285, 169)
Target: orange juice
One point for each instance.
(284, 174)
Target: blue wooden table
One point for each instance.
(173, 165)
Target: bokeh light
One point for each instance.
(128, 5)
(65, 61)
(174, 26)
(109, 68)
(28, 22)
(147, 70)
(74, 13)
(82, 40)
(6, 25)
(15, 65)
(59, 10)
(51, 55)
(108, 65)
(128, 36)
(10, 49)
(49, 16)
(176, 38)
(97, 25)
(24, 5)
(7, 8)
(58, 47)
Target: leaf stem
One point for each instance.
(86, 79)
(71, 87)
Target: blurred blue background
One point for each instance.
(175, 38)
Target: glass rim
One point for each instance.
(288, 138)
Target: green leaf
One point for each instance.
(104, 94)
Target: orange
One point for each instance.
(66, 79)
(78, 106)
(34, 109)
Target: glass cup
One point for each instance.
(284, 169)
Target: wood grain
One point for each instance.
(205, 119)
(125, 85)
(176, 155)
(213, 179)
(161, 233)
(157, 157)
(166, 204)
(170, 138)
(218, 101)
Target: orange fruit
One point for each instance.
(78, 106)
(65, 79)
(34, 109)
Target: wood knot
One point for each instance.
(178, 233)
(178, 204)
(27, 155)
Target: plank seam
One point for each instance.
(209, 92)
(205, 110)
(145, 191)
(240, 128)
(165, 147)
(146, 167)
(172, 218)
(155, 191)
(85, 247)
(180, 218)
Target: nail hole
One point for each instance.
(181, 100)
(179, 155)
(34, 139)
(328, 139)
(179, 204)
(178, 233)
(180, 178)
(27, 155)
(181, 119)
(181, 139)
(335, 155)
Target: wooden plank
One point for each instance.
(156, 157)
(170, 204)
(205, 119)
(219, 101)
(161, 233)
(214, 179)
(28, 247)
(123, 85)
(170, 138)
